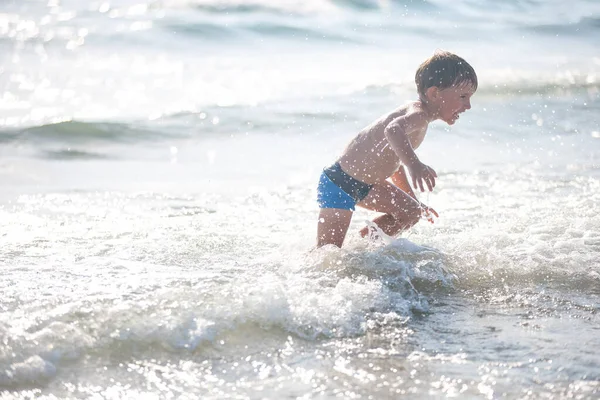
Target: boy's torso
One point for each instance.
(369, 156)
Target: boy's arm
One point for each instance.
(400, 179)
(397, 135)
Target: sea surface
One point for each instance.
(158, 171)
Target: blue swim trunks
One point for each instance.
(337, 189)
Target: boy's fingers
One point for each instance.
(417, 182)
(430, 182)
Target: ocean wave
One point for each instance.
(279, 30)
(515, 84)
(70, 139)
(299, 32)
(298, 7)
(219, 20)
(73, 154)
(521, 88)
(310, 304)
(210, 30)
(78, 132)
(584, 26)
(258, 6)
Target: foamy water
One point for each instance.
(159, 162)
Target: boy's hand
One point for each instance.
(420, 172)
(426, 212)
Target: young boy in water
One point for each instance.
(382, 150)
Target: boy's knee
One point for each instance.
(414, 218)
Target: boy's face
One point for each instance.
(454, 100)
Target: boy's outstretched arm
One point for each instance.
(397, 135)
(400, 179)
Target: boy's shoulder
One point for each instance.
(413, 113)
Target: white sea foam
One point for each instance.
(33, 370)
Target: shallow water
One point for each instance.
(159, 161)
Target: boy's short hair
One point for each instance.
(444, 69)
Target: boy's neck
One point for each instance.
(431, 109)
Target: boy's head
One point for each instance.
(446, 82)
(443, 70)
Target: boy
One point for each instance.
(445, 83)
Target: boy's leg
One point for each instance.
(333, 225)
(401, 210)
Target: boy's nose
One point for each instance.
(468, 105)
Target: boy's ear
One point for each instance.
(432, 92)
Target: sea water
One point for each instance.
(158, 171)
